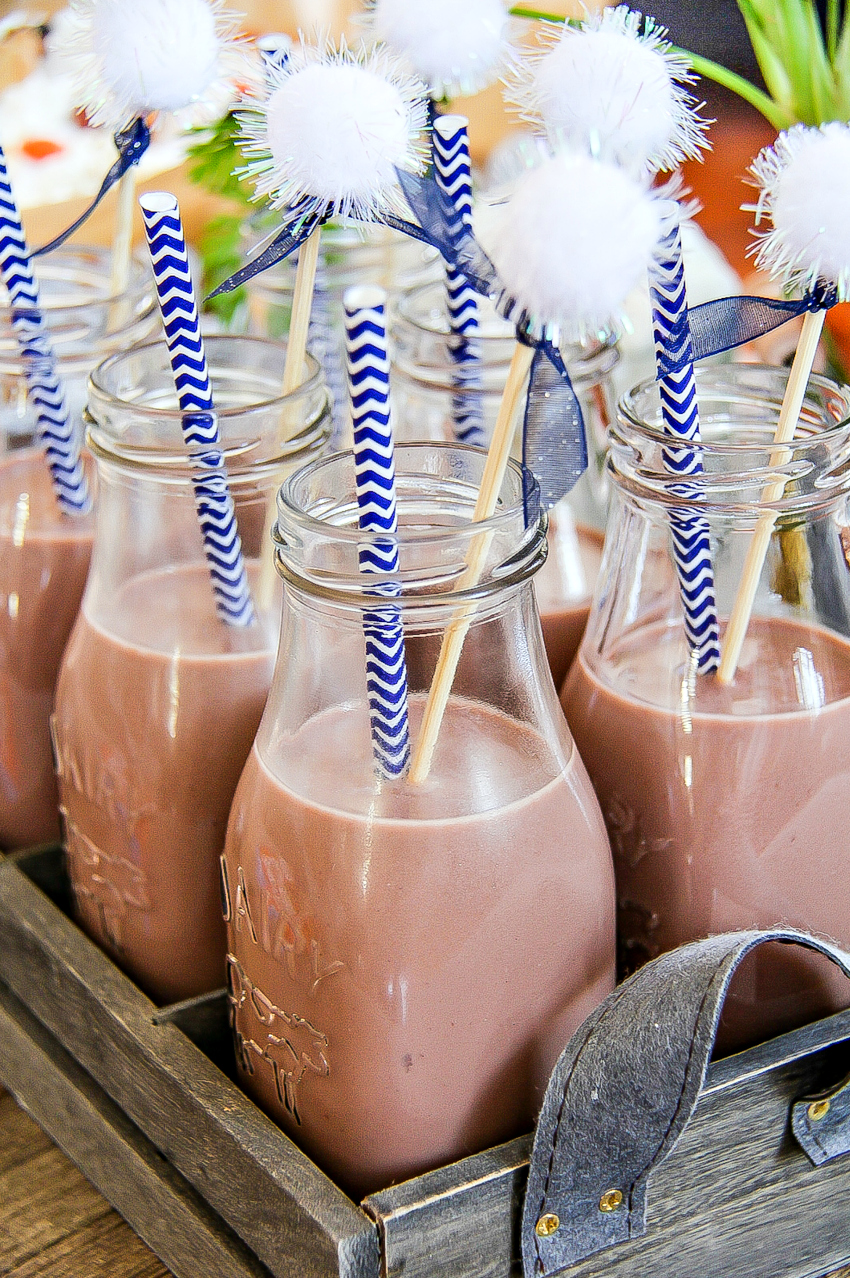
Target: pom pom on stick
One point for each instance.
(327, 137)
(330, 132)
(804, 189)
(134, 57)
(455, 48)
(574, 238)
(572, 241)
(615, 87)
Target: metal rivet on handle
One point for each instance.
(547, 1225)
(818, 1110)
(611, 1200)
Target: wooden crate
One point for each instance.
(143, 1100)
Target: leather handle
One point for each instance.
(623, 1092)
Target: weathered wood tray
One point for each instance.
(141, 1098)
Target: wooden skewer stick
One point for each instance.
(488, 495)
(299, 324)
(789, 415)
(122, 245)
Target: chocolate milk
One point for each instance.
(407, 963)
(156, 709)
(44, 561)
(728, 811)
(563, 588)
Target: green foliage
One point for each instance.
(211, 164)
(220, 248)
(214, 158)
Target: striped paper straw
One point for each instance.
(374, 471)
(56, 435)
(680, 413)
(216, 514)
(452, 171)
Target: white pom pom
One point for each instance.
(572, 241)
(614, 89)
(332, 131)
(456, 46)
(804, 181)
(132, 57)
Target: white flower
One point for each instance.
(456, 46)
(571, 241)
(804, 189)
(331, 131)
(612, 86)
(132, 57)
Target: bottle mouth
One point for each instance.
(320, 544)
(736, 458)
(423, 335)
(133, 416)
(83, 316)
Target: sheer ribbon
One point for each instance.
(132, 143)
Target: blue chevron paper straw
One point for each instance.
(454, 178)
(181, 321)
(680, 413)
(374, 470)
(55, 431)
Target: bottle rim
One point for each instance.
(245, 442)
(587, 361)
(439, 550)
(732, 472)
(79, 308)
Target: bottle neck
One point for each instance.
(148, 513)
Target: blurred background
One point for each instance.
(56, 162)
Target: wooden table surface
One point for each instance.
(53, 1223)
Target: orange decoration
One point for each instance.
(40, 148)
(838, 323)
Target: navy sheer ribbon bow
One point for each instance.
(728, 322)
(132, 143)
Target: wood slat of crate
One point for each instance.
(271, 1195)
(736, 1196)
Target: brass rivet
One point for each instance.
(611, 1200)
(547, 1225)
(818, 1110)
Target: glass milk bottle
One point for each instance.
(158, 700)
(44, 555)
(431, 393)
(726, 802)
(406, 960)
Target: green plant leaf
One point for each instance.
(540, 15)
(833, 8)
(770, 62)
(821, 78)
(213, 158)
(220, 246)
(772, 111)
